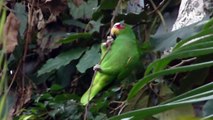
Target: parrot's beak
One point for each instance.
(114, 32)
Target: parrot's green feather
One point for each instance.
(117, 64)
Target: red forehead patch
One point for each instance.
(119, 25)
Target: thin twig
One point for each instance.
(28, 38)
(157, 8)
(160, 15)
(123, 106)
(183, 62)
(14, 76)
(115, 12)
(21, 62)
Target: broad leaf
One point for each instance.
(21, 14)
(165, 41)
(82, 9)
(90, 58)
(61, 60)
(208, 108)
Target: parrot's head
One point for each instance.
(117, 27)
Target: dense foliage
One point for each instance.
(53, 45)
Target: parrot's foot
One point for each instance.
(109, 41)
(97, 67)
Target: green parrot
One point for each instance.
(122, 57)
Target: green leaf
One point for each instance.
(21, 14)
(208, 108)
(142, 82)
(65, 97)
(96, 25)
(90, 58)
(56, 87)
(201, 89)
(85, 10)
(101, 116)
(74, 23)
(90, 7)
(64, 74)
(190, 50)
(108, 4)
(197, 38)
(27, 117)
(178, 113)
(61, 60)
(75, 36)
(160, 42)
(148, 112)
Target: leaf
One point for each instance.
(108, 4)
(21, 14)
(27, 117)
(11, 29)
(194, 50)
(82, 9)
(164, 41)
(200, 37)
(177, 113)
(142, 82)
(56, 87)
(208, 108)
(61, 60)
(96, 25)
(64, 74)
(148, 112)
(101, 116)
(193, 92)
(75, 36)
(90, 58)
(74, 23)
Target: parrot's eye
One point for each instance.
(119, 26)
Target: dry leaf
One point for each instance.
(11, 29)
(24, 96)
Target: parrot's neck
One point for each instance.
(128, 33)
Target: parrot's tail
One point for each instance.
(99, 82)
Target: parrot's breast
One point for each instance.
(123, 54)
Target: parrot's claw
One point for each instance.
(97, 67)
(109, 41)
